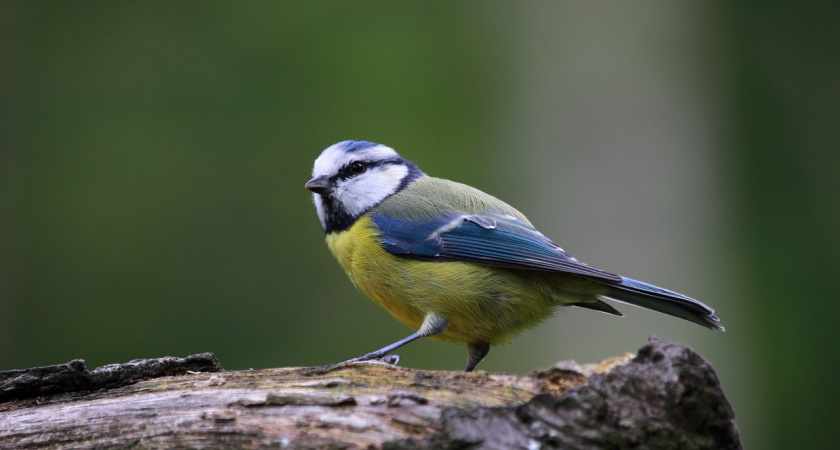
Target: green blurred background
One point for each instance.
(154, 153)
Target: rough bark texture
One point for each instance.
(665, 397)
(74, 376)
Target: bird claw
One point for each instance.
(391, 359)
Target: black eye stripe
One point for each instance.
(346, 171)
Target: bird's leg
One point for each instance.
(382, 352)
(432, 325)
(478, 350)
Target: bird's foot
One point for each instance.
(389, 360)
(374, 358)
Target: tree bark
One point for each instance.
(666, 396)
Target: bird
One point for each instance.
(454, 263)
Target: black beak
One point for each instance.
(320, 185)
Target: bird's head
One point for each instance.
(351, 177)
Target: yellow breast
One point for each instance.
(375, 272)
(482, 303)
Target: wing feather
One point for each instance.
(491, 238)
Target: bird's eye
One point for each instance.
(357, 167)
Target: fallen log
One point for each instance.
(666, 396)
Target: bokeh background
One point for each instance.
(154, 154)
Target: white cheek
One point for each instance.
(365, 191)
(356, 196)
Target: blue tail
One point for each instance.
(662, 300)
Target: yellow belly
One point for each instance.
(482, 303)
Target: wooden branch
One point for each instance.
(665, 397)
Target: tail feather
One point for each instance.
(662, 300)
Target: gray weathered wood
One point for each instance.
(665, 397)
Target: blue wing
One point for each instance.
(489, 238)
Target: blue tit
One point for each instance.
(454, 263)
